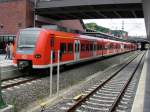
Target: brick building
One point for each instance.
(17, 14)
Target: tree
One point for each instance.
(94, 26)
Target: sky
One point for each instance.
(134, 27)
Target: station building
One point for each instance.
(19, 14)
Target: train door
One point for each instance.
(107, 47)
(77, 50)
(94, 48)
(122, 47)
(114, 48)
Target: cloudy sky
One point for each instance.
(135, 27)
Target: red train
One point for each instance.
(33, 47)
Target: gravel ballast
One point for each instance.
(23, 95)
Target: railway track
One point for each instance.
(16, 81)
(105, 97)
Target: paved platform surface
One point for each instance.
(142, 98)
(9, 108)
(7, 69)
(147, 87)
(5, 62)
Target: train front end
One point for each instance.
(29, 50)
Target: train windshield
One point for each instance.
(27, 39)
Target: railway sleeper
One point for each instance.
(105, 94)
(101, 100)
(104, 97)
(90, 108)
(112, 89)
(106, 91)
(99, 104)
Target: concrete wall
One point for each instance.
(146, 9)
(61, 3)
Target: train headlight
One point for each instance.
(37, 56)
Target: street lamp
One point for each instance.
(2, 103)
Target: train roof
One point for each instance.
(105, 36)
(87, 35)
(31, 29)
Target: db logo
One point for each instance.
(24, 56)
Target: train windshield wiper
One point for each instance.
(26, 46)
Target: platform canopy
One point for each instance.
(89, 9)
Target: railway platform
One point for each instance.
(7, 68)
(142, 98)
(5, 62)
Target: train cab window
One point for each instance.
(63, 48)
(28, 38)
(70, 47)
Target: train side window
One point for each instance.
(52, 42)
(106, 47)
(82, 47)
(87, 47)
(110, 46)
(91, 47)
(99, 47)
(94, 47)
(70, 47)
(62, 48)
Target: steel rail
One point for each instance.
(125, 87)
(3, 80)
(18, 83)
(79, 103)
